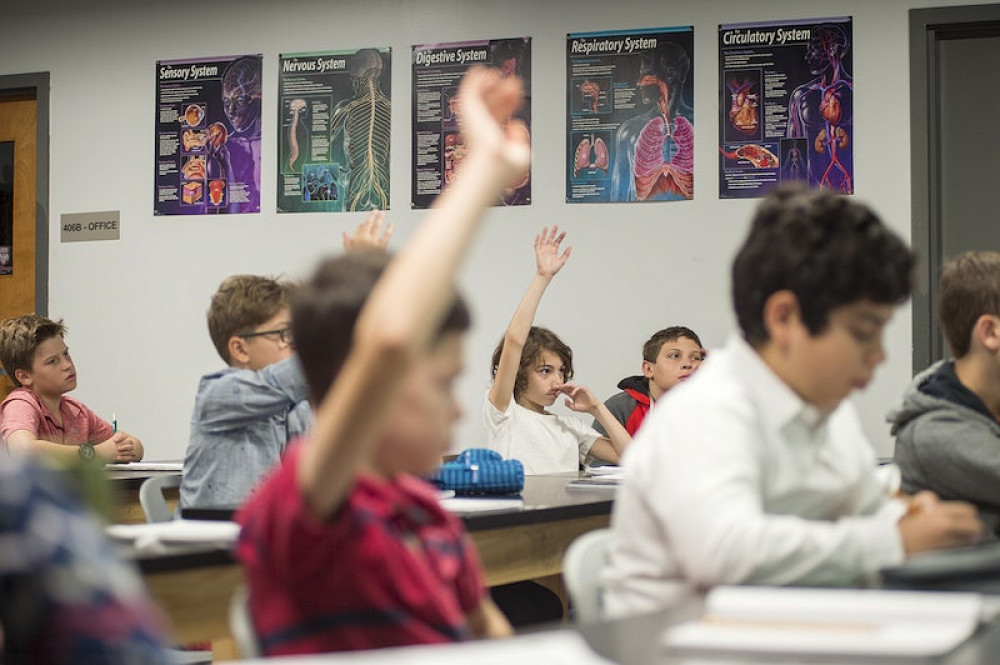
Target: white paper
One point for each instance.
(831, 622)
(149, 536)
(474, 504)
(552, 648)
(146, 466)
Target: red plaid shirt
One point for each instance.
(390, 568)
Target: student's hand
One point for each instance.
(547, 257)
(369, 234)
(121, 448)
(932, 524)
(487, 101)
(579, 398)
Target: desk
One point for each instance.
(194, 585)
(125, 494)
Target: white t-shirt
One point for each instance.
(544, 442)
(733, 479)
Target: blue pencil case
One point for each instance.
(480, 472)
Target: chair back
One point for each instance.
(582, 573)
(241, 624)
(154, 506)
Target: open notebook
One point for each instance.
(891, 626)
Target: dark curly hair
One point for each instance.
(539, 339)
(828, 250)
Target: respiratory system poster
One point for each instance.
(630, 132)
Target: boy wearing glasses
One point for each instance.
(245, 414)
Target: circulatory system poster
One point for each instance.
(786, 103)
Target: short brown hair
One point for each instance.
(20, 337)
(651, 349)
(242, 303)
(326, 307)
(969, 288)
(538, 340)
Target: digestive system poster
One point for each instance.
(208, 136)
(333, 135)
(786, 103)
(438, 148)
(630, 133)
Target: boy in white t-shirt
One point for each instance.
(531, 367)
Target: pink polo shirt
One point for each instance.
(24, 409)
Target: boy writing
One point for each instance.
(245, 414)
(381, 370)
(531, 368)
(758, 471)
(669, 357)
(38, 416)
(947, 432)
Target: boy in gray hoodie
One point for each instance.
(947, 431)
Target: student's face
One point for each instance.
(264, 350)
(676, 361)
(545, 377)
(843, 357)
(52, 370)
(419, 429)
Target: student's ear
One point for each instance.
(647, 369)
(239, 355)
(986, 332)
(782, 317)
(23, 377)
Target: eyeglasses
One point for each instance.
(284, 335)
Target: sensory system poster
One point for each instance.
(630, 115)
(438, 148)
(333, 130)
(786, 106)
(208, 136)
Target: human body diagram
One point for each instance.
(361, 123)
(822, 112)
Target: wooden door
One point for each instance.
(18, 131)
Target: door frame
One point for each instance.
(37, 83)
(928, 27)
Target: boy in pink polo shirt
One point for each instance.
(343, 546)
(37, 417)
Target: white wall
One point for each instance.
(135, 307)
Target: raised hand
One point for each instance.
(369, 234)
(547, 257)
(486, 102)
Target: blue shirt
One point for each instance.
(65, 596)
(241, 423)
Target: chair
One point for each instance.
(154, 506)
(241, 624)
(582, 565)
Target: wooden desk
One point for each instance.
(125, 494)
(194, 585)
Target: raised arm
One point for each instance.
(404, 309)
(369, 234)
(548, 262)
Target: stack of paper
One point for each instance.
(145, 466)
(158, 534)
(839, 623)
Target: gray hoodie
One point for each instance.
(946, 446)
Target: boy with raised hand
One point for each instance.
(245, 415)
(669, 357)
(758, 471)
(38, 416)
(947, 431)
(343, 547)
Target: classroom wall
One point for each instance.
(135, 307)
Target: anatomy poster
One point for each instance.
(333, 130)
(786, 106)
(629, 132)
(438, 148)
(208, 136)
